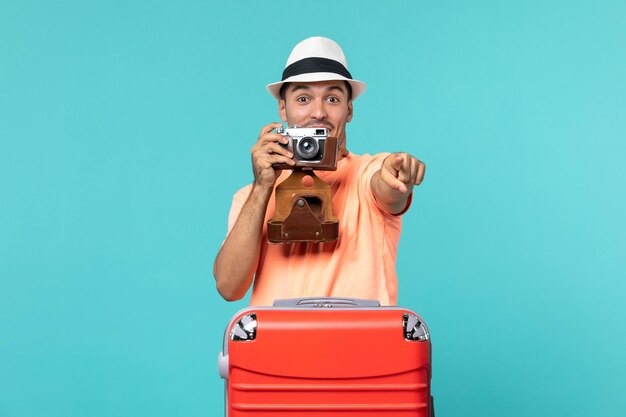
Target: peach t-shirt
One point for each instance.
(360, 264)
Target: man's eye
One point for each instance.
(302, 99)
(333, 99)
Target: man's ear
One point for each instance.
(349, 115)
(282, 110)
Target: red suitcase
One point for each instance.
(326, 357)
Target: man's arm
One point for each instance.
(393, 184)
(237, 260)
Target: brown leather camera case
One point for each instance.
(304, 211)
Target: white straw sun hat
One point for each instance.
(316, 59)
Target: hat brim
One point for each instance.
(358, 87)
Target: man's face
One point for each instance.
(318, 104)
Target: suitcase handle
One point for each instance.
(326, 302)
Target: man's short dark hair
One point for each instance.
(283, 88)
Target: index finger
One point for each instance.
(272, 137)
(268, 128)
(396, 162)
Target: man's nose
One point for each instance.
(319, 110)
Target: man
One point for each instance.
(370, 193)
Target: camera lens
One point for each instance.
(307, 148)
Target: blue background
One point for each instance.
(125, 128)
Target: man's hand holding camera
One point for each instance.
(267, 152)
(393, 184)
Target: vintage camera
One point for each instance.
(311, 148)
